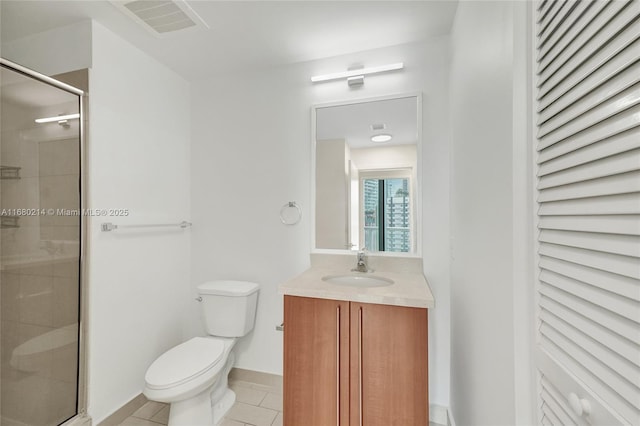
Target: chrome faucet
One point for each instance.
(361, 265)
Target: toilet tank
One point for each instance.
(228, 307)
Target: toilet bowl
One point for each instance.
(193, 376)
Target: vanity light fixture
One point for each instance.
(57, 118)
(357, 74)
(382, 137)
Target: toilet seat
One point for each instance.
(184, 363)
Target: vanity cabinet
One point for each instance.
(354, 364)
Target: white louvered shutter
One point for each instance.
(588, 117)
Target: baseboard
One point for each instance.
(119, 416)
(451, 421)
(266, 379)
(79, 420)
(438, 414)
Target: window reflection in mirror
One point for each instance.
(365, 190)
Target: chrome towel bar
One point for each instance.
(108, 226)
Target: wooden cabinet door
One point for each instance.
(389, 384)
(316, 362)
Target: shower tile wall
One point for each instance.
(39, 277)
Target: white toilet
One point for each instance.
(192, 376)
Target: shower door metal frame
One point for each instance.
(81, 416)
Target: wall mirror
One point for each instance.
(366, 178)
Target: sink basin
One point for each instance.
(358, 280)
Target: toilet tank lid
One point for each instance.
(228, 288)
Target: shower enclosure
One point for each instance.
(40, 248)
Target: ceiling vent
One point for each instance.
(380, 126)
(162, 17)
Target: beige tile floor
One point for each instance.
(256, 405)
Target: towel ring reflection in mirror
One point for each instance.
(290, 213)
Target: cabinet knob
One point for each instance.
(580, 406)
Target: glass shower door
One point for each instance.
(40, 238)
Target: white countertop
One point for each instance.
(409, 288)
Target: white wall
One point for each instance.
(138, 159)
(251, 154)
(482, 208)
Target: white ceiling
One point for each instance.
(248, 33)
(353, 122)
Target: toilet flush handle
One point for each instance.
(199, 298)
